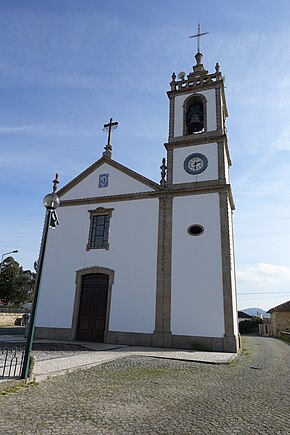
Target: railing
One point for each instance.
(12, 310)
(194, 81)
(11, 362)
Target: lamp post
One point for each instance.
(51, 202)
(4, 255)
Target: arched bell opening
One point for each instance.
(195, 116)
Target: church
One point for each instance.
(143, 263)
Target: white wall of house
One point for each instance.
(211, 111)
(197, 288)
(132, 255)
(180, 154)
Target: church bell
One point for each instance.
(195, 118)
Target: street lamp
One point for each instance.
(51, 202)
(4, 255)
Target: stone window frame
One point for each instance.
(187, 102)
(99, 211)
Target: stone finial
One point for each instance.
(198, 58)
(199, 69)
(163, 168)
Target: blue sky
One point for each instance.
(67, 66)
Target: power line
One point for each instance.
(258, 297)
(262, 234)
(263, 220)
(263, 293)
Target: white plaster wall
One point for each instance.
(132, 254)
(233, 271)
(119, 183)
(180, 154)
(210, 107)
(197, 290)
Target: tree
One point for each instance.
(16, 284)
(250, 326)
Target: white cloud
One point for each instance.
(263, 285)
(46, 129)
(283, 140)
(264, 275)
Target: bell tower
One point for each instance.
(200, 298)
(197, 123)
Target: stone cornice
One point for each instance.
(196, 139)
(111, 198)
(197, 188)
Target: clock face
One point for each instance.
(195, 163)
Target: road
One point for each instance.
(141, 395)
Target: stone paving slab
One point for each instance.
(186, 355)
(57, 357)
(9, 338)
(104, 353)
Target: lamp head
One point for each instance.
(51, 201)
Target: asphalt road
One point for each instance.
(141, 395)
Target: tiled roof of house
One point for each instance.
(242, 315)
(282, 307)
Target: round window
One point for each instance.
(195, 230)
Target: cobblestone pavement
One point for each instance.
(145, 395)
(47, 351)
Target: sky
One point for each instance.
(67, 66)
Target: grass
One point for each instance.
(15, 388)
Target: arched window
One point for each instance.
(195, 115)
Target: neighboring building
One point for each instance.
(280, 319)
(243, 316)
(136, 262)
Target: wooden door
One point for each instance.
(93, 307)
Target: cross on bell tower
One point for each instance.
(198, 35)
(108, 128)
(198, 68)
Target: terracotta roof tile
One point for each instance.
(282, 307)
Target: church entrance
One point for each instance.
(93, 307)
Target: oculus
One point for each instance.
(195, 230)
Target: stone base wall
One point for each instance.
(213, 344)
(54, 333)
(8, 319)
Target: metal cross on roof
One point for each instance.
(109, 127)
(198, 35)
(55, 183)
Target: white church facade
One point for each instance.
(141, 263)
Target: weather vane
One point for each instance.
(198, 35)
